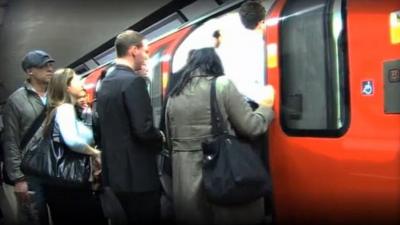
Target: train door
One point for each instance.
(334, 152)
(159, 67)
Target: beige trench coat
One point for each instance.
(189, 124)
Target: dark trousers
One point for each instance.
(141, 208)
(33, 211)
(74, 206)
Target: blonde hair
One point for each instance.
(57, 93)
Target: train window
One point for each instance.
(81, 69)
(314, 88)
(91, 64)
(163, 26)
(106, 56)
(155, 76)
(198, 8)
(241, 51)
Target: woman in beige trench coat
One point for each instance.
(188, 123)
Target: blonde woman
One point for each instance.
(71, 205)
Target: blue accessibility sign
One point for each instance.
(367, 87)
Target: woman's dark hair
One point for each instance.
(205, 61)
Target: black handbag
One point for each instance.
(233, 173)
(50, 159)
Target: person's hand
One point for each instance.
(268, 101)
(163, 136)
(97, 166)
(96, 172)
(97, 161)
(143, 70)
(21, 190)
(93, 152)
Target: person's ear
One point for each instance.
(29, 71)
(132, 51)
(135, 50)
(69, 89)
(260, 25)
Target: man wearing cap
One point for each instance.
(21, 109)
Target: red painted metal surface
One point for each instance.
(354, 179)
(90, 83)
(170, 43)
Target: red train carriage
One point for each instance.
(334, 146)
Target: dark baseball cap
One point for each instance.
(35, 58)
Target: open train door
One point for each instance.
(159, 69)
(335, 142)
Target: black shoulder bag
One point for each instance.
(50, 159)
(233, 173)
(25, 140)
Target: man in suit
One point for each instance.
(129, 140)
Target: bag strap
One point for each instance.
(33, 128)
(217, 120)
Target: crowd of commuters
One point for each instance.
(128, 138)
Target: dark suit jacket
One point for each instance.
(129, 139)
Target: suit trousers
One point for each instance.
(141, 208)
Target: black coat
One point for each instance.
(129, 140)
